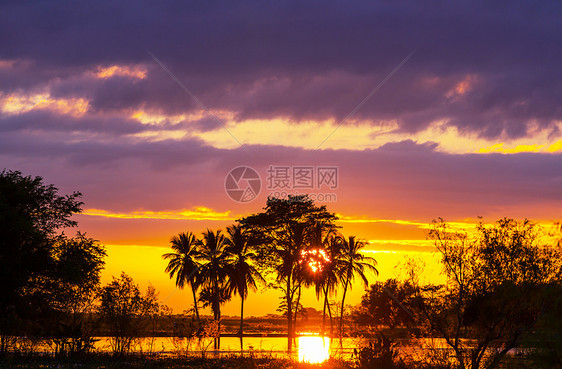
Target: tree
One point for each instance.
(320, 262)
(281, 232)
(124, 310)
(214, 271)
(545, 342)
(378, 307)
(31, 214)
(243, 275)
(73, 289)
(495, 291)
(184, 264)
(353, 263)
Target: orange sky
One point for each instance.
(136, 246)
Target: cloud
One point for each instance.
(83, 104)
(393, 180)
(197, 213)
(484, 68)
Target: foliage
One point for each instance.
(496, 291)
(30, 214)
(218, 266)
(282, 232)
(386, 303)
(184, 264)
(379, 354)
(125, 311)
(243, 274)
(73, 291)
(545, 342)
(353, 262)
(48, 280)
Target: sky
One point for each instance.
(415, 110)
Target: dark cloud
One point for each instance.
(46, 121)
(315, 60)
(93, 152)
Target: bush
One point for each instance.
(379, 354)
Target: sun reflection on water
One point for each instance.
(313, 349)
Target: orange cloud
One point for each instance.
(463, 86)
(21, 103)
(197, 213)
(138, 72)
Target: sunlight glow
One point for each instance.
(313, 349)
(356, 134)
(504, 150)
(456, 226)
(316, 259)
(557, 146)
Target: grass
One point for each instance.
(98, 361)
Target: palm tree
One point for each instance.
(183, 263)
(322, 255)
(214, 272)
(333, 273)
(354, 263)
(288, 253)
(243, 276)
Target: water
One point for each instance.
(312, 348)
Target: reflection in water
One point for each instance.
(313, 349)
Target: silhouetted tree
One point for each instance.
(320, 264)
(352, 262)
(377, 307)
(125, 310)
(214, 271)
(243, 275)
(495, 291)
(545, 342)
(184, 264)
(73, 289)
(31, 215)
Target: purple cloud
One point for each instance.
(301, 61)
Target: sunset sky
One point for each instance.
(427, 109)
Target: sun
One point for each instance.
(316, 259)
(313, 349)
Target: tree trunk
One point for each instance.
(330, 315)
(217, 315)
(324, 311)
(342, 307)
(241, 331)
(195, 303)
(297, 308)
(289, 315)
(219, 332)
